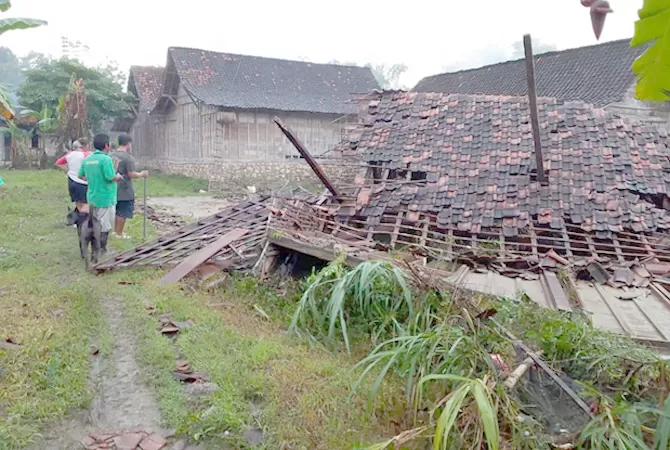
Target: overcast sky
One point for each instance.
(428, 36)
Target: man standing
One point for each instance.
(98, 169)
(125, 204)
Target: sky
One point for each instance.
(428, 36)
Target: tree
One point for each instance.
(50, 79)
(10, 24)
(388, 77)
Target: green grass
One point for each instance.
(301, 397)
(46, 305)
(161, 185)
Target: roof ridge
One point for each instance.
(510, 61)
(269, 58)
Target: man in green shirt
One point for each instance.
(98, 170)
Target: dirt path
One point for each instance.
(121, 400)
(189, 207)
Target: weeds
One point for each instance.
(374, 298)
(453, 408)
(442, 351)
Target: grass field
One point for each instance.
(301, 397)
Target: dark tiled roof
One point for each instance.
(147, 82)
(476, 153)
(251, 82)
(599, 74)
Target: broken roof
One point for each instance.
(598, 74)
(471, 157)
(251, 82)
(145, 82)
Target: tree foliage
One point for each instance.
(49, 80)
(9, 24)
(653, 67)
(388, 76)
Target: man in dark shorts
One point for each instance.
(125, 204)
(70, 163)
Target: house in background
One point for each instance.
(209, 114)
(600, 75)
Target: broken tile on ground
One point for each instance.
(124, 440)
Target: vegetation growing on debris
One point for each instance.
(451, 359)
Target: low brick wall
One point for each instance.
(238, 175)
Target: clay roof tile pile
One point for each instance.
(476, 155)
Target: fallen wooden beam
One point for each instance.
(190, 263)
(307, 249)
(308, 157)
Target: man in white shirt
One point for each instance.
(70, 163)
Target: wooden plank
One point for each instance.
(592, 247)
(566, 241)
(617, 248)
(308, 157)
(649, 314)
(618, 315)
(424, 232)
(554, 291)
(532, 100)
(533, 238)
(307, 249)
(396, 229)
(202, 255)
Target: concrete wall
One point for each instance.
(237, 175)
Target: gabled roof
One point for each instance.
(251, 82)
(146, 82)
(606, 174)
(598, 74)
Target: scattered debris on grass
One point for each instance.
(130, 440)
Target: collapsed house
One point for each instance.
(448, 184)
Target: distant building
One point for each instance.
(600, 75)
(209, 114)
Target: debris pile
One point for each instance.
(545, 262)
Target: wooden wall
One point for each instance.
(208, 133)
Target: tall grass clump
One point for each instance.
(375, 298)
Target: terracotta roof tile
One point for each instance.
(478, 152)
(146, 82)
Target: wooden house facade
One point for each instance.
(216, 109)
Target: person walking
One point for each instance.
(98, 170)
(125, 204)
(70, 163)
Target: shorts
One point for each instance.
(106, 218)
(125, 208)
(77, 191)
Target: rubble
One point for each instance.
(561, 267)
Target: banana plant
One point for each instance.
(10, 24)
(652, 30)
